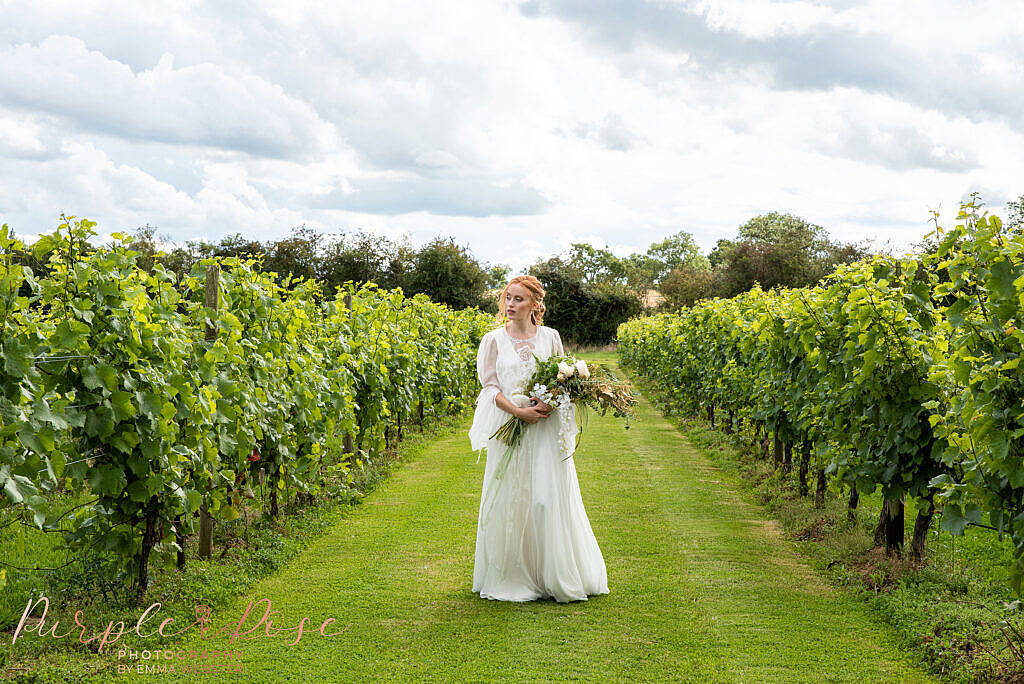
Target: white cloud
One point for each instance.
(203, 104)
(24, 138)
(762, 18)
(515, 127)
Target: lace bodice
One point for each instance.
(505, 363)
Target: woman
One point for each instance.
(533, 537)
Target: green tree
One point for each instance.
(641, 272)
(685, 285)
(497, 276)
(778, 250)
(1015, 215)
(582, 314)
(595, 266)
(776, 227)
(182, 258)
(144, 241)
(719, 253)
(676, 251)
(448, 273)
(366, 257)
(237, 245)
(297, 255)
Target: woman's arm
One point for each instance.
(487, 373)
(559, 349)
(507, 406)
(487, 367)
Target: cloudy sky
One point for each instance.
(517, 127)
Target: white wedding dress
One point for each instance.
(533, 537)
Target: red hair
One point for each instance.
(536, 291)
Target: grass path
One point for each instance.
(702, 587)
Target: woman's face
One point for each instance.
(518, 303)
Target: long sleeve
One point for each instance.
(559, 349)
(487, 366)
(487, 417)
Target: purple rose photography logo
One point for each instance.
(251, 624)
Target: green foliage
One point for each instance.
(497, 276)
(902, 374)
(297, 255)
(595, 267)
(447, 273)
(582, 314)
(684, 286)
(365, 257)
(440, 269)
(675, 252)
(1015, 215)
(776, 227)
(108, 385)
(983, 419)
(777, 250)
(599, 269)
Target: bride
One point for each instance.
(533, 537)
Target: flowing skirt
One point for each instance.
(534, 539)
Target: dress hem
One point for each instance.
(492, 597)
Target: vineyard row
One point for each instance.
(898, 374)
(157, 400)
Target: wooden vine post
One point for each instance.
(805, 463)
(205, 519)
(419, 406)
(819, 493)
(890, 526)
(347, 442)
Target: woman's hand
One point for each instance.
(537, 403)
(532, 414)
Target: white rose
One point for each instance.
(565, 369)
(520, 400)
(560, 377)
(581, 368)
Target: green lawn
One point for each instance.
(703, 587)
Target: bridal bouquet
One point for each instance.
(566, 383)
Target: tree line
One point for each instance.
(590, 289)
